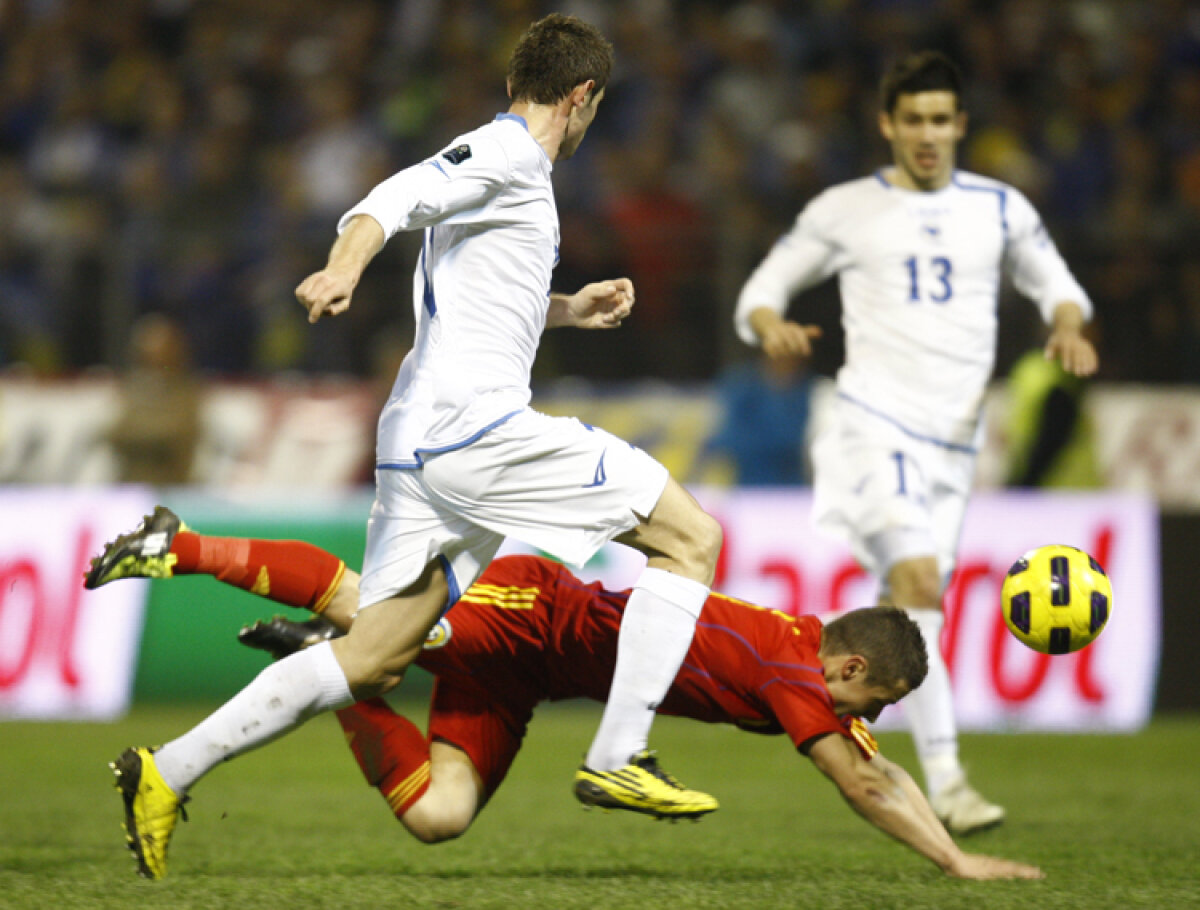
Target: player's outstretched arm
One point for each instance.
(329, 290)
(885, 795)
(600, 305)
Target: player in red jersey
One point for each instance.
(530, 631)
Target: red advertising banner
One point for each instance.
(65, 653)
(774, 557)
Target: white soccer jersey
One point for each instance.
(481, 287)
(919, 275)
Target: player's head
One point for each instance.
(921, 116)
(562, 58)
(872, 658)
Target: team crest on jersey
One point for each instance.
(458, 154)
(438, 636)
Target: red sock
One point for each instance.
(291, 572)
(392, 753)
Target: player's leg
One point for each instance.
(368, 661)
(155, 783)
(914, 584)
(915, 580)
(290, 572)
(433, 789)
(681, 542)
(899, 502)
(454, 797)
(567, 489)
(436, 785)
(474, 735)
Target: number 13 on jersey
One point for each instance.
(929, 279)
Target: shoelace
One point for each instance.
(649, 764)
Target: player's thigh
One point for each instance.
(678, 535)
(919, 558)
(485, 722)
(386, 637)
(409, 529)
(868, 479)
(950, 496)
(552, 482)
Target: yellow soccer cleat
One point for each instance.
(145, 552)
(641, 786)
(151, 810)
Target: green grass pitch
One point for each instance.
(1114, 821)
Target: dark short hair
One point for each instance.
(556, 54)
(924, 71)
(889, 640)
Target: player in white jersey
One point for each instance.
(919, 250)
(462, 461)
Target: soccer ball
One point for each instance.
(1056, 599)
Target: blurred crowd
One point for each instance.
(190, 158)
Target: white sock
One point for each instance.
(656, 630)
(278, 700)
(930, 709)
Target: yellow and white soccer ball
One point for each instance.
(1056, 599)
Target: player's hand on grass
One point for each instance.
(600, 305)
(978, 867)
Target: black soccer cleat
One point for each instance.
(280, 637)
(145, 552)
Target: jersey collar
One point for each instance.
(504, 115)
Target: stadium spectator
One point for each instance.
(463, 461)
(919, 249)
(88, 88)
(158, 423)
(763, 425)
(494, 664)
(1050, 440)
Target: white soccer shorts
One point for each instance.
(552, 482)
(890, 494)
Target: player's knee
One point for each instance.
(438, 826)
(437, 834)
(696, 547)
(371, 669)
(371, 678)
(709, 538)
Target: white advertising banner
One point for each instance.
(65, 653)
(774, 557)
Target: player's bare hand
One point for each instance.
(790, 339)
(1076, 354)
(601, 305)
(325, 293)
(981, 868)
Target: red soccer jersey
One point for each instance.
(528, 631)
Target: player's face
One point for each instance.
(853, 696)
(924, 130)
(578, 122)
(868, 702)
